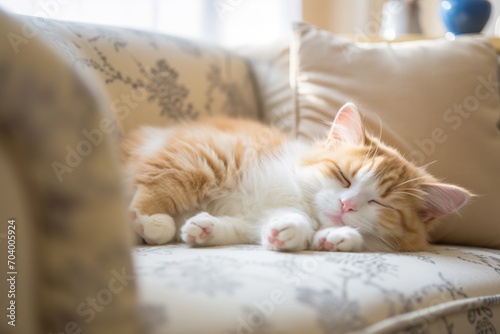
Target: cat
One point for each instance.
(224, 181)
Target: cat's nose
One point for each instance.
(347, 205)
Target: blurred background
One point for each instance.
(238, 22)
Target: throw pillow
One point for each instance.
(437, 102)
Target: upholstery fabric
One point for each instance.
(14, 206)
(271, 65)
(247, 289)
(66, 192)
(437, 102)
(155, 79)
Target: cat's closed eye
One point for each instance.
(345, 181)
(376, 202)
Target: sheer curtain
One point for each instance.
(224, 22)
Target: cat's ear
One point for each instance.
(442, 199)
(347, 127)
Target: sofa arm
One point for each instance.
(71, 225)
(156, 79)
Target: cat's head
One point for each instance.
(368, 185)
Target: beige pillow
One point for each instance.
(436, 100)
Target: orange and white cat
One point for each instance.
(222, 181)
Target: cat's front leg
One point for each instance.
(156, 229)
(204, 229)
(286, 229)
(338, 239)
(149, 218)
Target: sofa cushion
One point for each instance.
(153, 78)
(437, 102)
(247, 289)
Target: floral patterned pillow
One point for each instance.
(153, 78)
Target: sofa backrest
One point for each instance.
(271, 66)
(155, 79)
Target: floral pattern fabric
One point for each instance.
(247, 289)
(74, 237)
(155, 79)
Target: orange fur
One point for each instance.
(198, 160)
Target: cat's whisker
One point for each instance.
(407, 190)
(411, 180)
(327, 123)
(413, 190)
(396, 242)
(368, 154)
(385, 241)
(411, 194)
(386, 238)
(381, 126)
(371, 151)
(391, 242)
(376, 150)
(379, 135)
(427, 165)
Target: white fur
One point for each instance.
(153, 143)
(156, 229)
(286, 229)
(343, 239)
(199, 229)
(203, 229)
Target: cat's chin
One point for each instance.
(337, 221)
(332, 220)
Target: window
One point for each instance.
(225, 22)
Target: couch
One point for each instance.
(69, 92)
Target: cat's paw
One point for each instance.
(198, 230)
(290, 232)
(157, 229)
(338, 239)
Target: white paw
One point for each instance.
(198, 230)
(290, 232)
(157, 229)
(338, 239)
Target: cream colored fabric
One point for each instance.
(64, 193)
(271, 66)
(437, 101)
(156, 79)
(20, 235)
(247, 289)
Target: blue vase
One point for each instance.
(465, 16)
